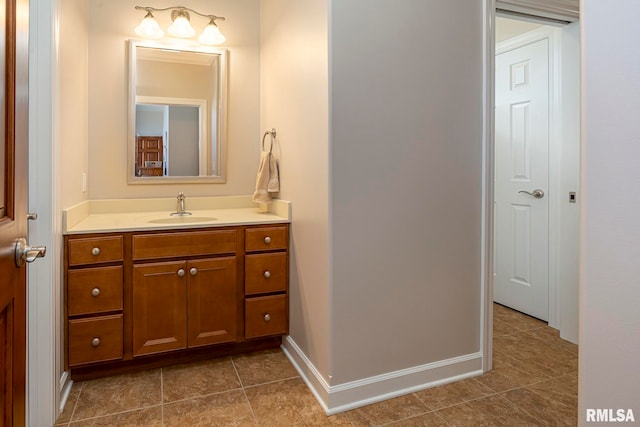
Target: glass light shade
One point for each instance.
(211, 35)
(149, 28)
(181, 27)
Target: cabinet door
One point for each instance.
(159, 307)
(213, 301)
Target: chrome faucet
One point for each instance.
(181, 211)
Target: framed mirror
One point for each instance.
(177, 114)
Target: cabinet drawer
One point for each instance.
(266, 238)
(265, 316)
(95, 340)
(94, 290)
(265, 273)
(95, 250)
(171, 245)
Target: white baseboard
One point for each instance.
(65, 388)
(354, 394)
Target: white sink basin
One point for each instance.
(187, 219)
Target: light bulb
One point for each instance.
(149, 28)
(181, 26)
(211, 34)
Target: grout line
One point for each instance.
(273, 382)
(244, 392)
(117, 413)
(73, 412)
(200, 396)
(441, 417)
(406, 418)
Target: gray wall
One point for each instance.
(381, 149)
(406, 160)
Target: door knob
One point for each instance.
(537, 193)
(26, 253)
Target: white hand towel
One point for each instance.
(274, 175)
(261, 195)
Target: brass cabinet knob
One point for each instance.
(181, 273)
(267, 274)
(267, 240)
(95, 292)
(95, 342)
(267, 317)
(95, 251)
(193, 271)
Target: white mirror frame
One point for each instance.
(221, 119)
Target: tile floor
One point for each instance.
(534, 383)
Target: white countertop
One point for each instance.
(106, 216)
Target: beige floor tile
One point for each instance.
(535, 371)
(511, 344)
(453, 394)
(148, 417)
(507, 378)
(386, 411)
(539, 355)
(552, 336)
(223, 409)
(500, 358)
(117, 394)
(263, 367)
(516, 319)
(489, 411)
(430, 419)
(563, 389)
(352, 418)
(501, 328)
(287, 403)
(547, 410)
(198, 379)
(70, 405)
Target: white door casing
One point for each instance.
(521, 261)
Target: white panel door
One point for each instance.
(521, 267)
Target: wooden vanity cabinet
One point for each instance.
(184, 304)
(94, 299)
(266, 305)
(178, 292)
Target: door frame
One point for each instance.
(556, 133)
(46, 380)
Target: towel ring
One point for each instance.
(271, 132)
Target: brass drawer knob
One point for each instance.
(95, 251)
(95, 292)
(95, 342)
(267, 317)
(267, 240)
(267, 274)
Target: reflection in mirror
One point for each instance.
(177, 114)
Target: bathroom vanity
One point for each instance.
(144, 289)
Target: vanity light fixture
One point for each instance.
(181, 26)
(149, 28)
(211, 34)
